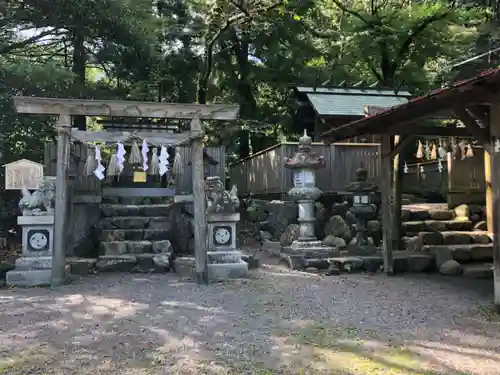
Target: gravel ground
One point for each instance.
(276, 322)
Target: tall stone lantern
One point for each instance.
(307, 248)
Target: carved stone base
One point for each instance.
(303, 253)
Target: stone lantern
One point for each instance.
(307, 248)
(363, 210)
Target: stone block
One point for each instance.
(30, 263)
(116, 263)
(162, 247)
(348, 263)
(293, 261)
(81, 266)
(126, 247)
(372, 263)
(481, 252)
(124, 222)
(155, 234)
(28, 278)
(430, 238)
(434, 226)
(456, 238)
(252, 261)
(333, 241)
(480, 238)
(271, 247)
(419, 262)
(442, 254)
(185, 267)
(146, 264)
(413, 226)
(419, 215)
(227, 271)
(460, 225)
(478, 271)
(441, 215)
(405, 215)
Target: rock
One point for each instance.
(340, 209)
(290, 234)
(450, 268)
(146, 264)
(413, 226)
(482, 238)
(442, 254)
(164, 246)
(116, 263)
(373, 226)
(333, 241)
(405, 240)
(462, 211)
(320, 215)
(271, 247)
(348, 264)
(311, 270)
(180, 225)
(441, 215)
(81, 266)
(415, 244)
(163, 260)
(435, 225)
(456, 238)
(264, 235)
(281, 214)
(184, 266)
(337, 227)
(252, 261)
(431, 238)
(475, 218)
(333, 270)
(419, 215)
(405, 215)
(482, 225)
(419, 262)
(349, 219)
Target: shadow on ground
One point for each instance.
(273, 323)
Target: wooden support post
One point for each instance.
(385, 191)
(58, 275)
(396, 195)
(200, 228)
(494, 207)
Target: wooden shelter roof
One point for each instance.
(399, 119)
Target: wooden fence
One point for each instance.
(264, 172)
(461, 181)
(90, 185)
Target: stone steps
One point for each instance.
(116, 210)
(135, 247)
(460, 253)
(412, 228)
(134, 222)
(455, 237)
(478, 271)
(109, 235)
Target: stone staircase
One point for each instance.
(449, 235)
(135, 238)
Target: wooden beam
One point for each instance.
(199, 207)
(157, 138)
(385, 192)
(412, 129)
(58, 274)
(479, 133)
(400, 145)
(481, 115)
(123, 108)
(494, 204)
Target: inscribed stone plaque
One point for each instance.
(23, 173)
(298, 179)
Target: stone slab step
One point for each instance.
(135, 247)
(141, 263)
(414, 227)
(109, 235)
(478, 271)
(135, 222)
(420, 213)
(460, 253)
(455, 237)
(113, 210)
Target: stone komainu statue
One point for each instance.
(218, 199)
(41, 199)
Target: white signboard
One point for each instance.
(23, 173)
(303, 178)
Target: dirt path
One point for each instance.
(274, 323)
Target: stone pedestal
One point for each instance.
(224, 260)
(34, 267)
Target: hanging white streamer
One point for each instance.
(405, 168)
(144, 151)
(497, 145)
(440, 166)
(120, 156)
(163, 160)
(99, 171)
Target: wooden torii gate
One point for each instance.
(65, 108)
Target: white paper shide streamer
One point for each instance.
(163, 161)
(144, 152)
(120, 156)
(99, 171)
